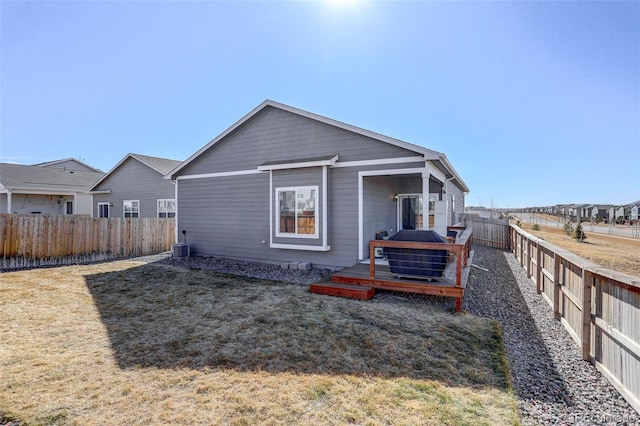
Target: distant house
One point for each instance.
(287, 185)
(69, 164)
(53, 188)
(618, 214)
(634, 215)
(135, 188)
(598, 212)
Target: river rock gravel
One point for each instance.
(553, 384)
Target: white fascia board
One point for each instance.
(299, 165)
(380, 162)
(46, 191)
(220, 174)
(100, 191)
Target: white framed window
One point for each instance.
(68, 207)
(167, 207)
(131, 208)
(103, 209)
(296, 212)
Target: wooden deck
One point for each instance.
(451, 284)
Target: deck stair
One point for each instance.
(330, 288)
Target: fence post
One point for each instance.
(557, 262)
(587, 284)
(539, 276)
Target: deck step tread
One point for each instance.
(342, 290)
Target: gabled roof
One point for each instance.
(427, 153)
(67, 160)
(35, 178)
(160, 165)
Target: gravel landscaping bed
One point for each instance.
(553, 384)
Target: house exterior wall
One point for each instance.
(133, 181)
(457, 205)
(224, 202)
(232, 220)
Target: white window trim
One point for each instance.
(108, 209)
(124, 212)
(167, 212)
(279, 234)
(325, 246)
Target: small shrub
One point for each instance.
(578, 233)
(536, 227)
(568, 228)
(518, 224)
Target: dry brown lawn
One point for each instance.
(618, 253)
(146, 344)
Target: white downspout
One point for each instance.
(447, 198)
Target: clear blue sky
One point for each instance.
(534, 103)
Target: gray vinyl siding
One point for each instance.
(276, 135)
(229, 216)
(132, 180)
(459, 210)
(378, 196)
(233, 220)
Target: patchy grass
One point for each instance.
(617, 253)
(133, 343)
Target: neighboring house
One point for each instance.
(598, 211)
(54, 188)
(634, 212)
(286, 185)
(618, 214)
(69, 164)
(135, 188)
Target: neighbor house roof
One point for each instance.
(160, 165)
(18, 177)
(68, 160)
(427, 153)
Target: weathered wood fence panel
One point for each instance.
(33, 240)
(490, 232)
(600, 308)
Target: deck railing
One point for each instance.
(600, 308)
(458, 252)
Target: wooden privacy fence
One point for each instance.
(490, 232)
(32, 240)
(599, 307)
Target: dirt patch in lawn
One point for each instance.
(128, 342)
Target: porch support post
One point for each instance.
(426, 174)
(9, 207)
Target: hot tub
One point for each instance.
(417, 263)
